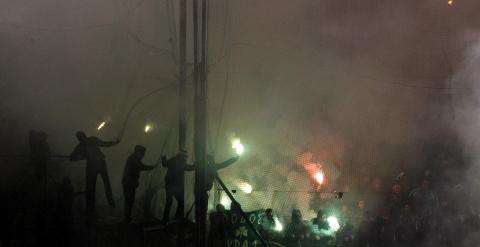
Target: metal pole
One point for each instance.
(200, 128)
(183, 77)
(182, 101)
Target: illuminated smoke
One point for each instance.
(246, 187)
(225, 201)
(278, 225)
(238, 146)
(333, 223)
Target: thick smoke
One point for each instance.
(357, 86)
(465, 84)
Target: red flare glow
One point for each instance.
(316, 173)
(319, 177)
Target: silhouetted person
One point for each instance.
(218, 227)
(130, 178)
(211, 172)
(321, 221)
(212, 169)
(39, 152)
(296, 230)
(174, 183)
(89, 149)
(267, 225)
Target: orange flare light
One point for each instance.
(319, 177)
(316, 173)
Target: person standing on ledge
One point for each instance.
(89, 149)
(131, 174)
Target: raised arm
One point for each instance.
(226, 163)
(102, 143)
(144, 167)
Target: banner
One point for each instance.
(239, 234)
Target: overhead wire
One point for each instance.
(127, 16)
(227, 74)
(138, 101)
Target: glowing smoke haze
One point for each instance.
(351, 86)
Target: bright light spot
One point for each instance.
(246, 187)
(316, 173)
(225, 201)
(238, 146)
(450, 2)
(278, 226)
(319, 177)
(333, 223)
(101, 125)
(147, 128)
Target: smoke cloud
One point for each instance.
(366, 89)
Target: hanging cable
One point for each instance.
(227, 74)
(137, 102)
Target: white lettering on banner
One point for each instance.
(241, 243)
(260, 216)
(242, 220)
(252, 218)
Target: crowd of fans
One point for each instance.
(433, 208)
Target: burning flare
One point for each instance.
(278, 226)
(147, 128)
(101, 125)
(333, 223)
(319, 177)
(316, 173)
(238, 146)
(450, 2)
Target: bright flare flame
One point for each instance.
(147, 128)
(238, 146)
(333, 223)
(319, 177)
(316, 173)
(246, 187)
(101, 125)
(450, 2)
(278, 226)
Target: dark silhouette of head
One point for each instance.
(296, 216)
(268, 211)
(81, 136)
(320, 214)
(140, 151)
(220, 208)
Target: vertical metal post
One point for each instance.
(182, 101)
(200, 128)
